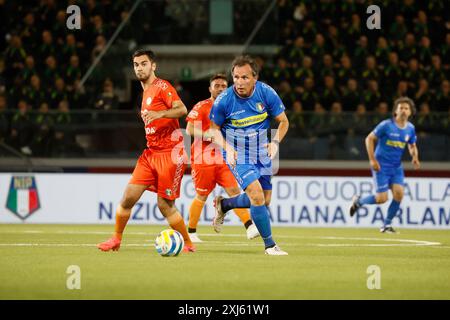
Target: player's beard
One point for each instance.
(142, 76)
(403, 117)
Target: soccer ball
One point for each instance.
(169, 243)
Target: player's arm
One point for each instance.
(197, 132)
(283, 126)
(194, 131)
(414, 152)
(276, 111)
(178, 110)
(371, 140)
(218, 139)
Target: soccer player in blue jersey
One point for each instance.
(393, 135)
(240, 121)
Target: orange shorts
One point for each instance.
(205, 178)
(160, 173)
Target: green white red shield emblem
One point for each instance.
(23, 197)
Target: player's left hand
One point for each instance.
(208, 136)
(272, 149)
(149, 116)
(416, 163)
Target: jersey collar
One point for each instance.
(396, 124)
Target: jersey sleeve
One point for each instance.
(169, 95)
(199, 115)
(380, 129)
(413, 138)
(274, 104)
(217, 114)
(194, 114)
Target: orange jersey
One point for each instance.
(201, 150)
(159, 96)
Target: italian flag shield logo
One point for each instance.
(23, 198)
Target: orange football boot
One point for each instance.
(189, 248)
(110, 244)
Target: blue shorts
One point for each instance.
(386, 177)
(247, 173)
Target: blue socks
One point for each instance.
(260, 217)
(392, 211)
(259, 214)
(367, 200)
(240, 201)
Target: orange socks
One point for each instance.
(194, 212)
(122, 216)
(179, 225)
(243, 214)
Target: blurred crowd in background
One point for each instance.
(337, 78)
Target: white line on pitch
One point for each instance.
(217, 243)
(403, 241)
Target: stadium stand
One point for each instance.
(336, 79)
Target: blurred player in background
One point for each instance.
(161, 166)
(240, 120)
(392, 135)
(207, 169)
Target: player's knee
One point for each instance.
(257, 199)
(398, 196)
(382, 198)
(166, 207)
(128, 202)
(255, 194)
(162, 206)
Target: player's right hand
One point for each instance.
(144, 115)
(149, 116)
(416, 163)
(375, 165)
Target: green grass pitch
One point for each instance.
(323, 263)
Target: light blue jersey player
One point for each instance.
(393, 135)
(240, 121)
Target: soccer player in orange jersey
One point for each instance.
(161, 166)
(208, 166)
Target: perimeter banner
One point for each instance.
(296, 201)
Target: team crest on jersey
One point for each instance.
(148, 101)
(23, 198)
(260, 106)
(168, 192)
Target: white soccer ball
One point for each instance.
(169, 243)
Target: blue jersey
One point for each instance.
(245, 121)
(392, 141)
